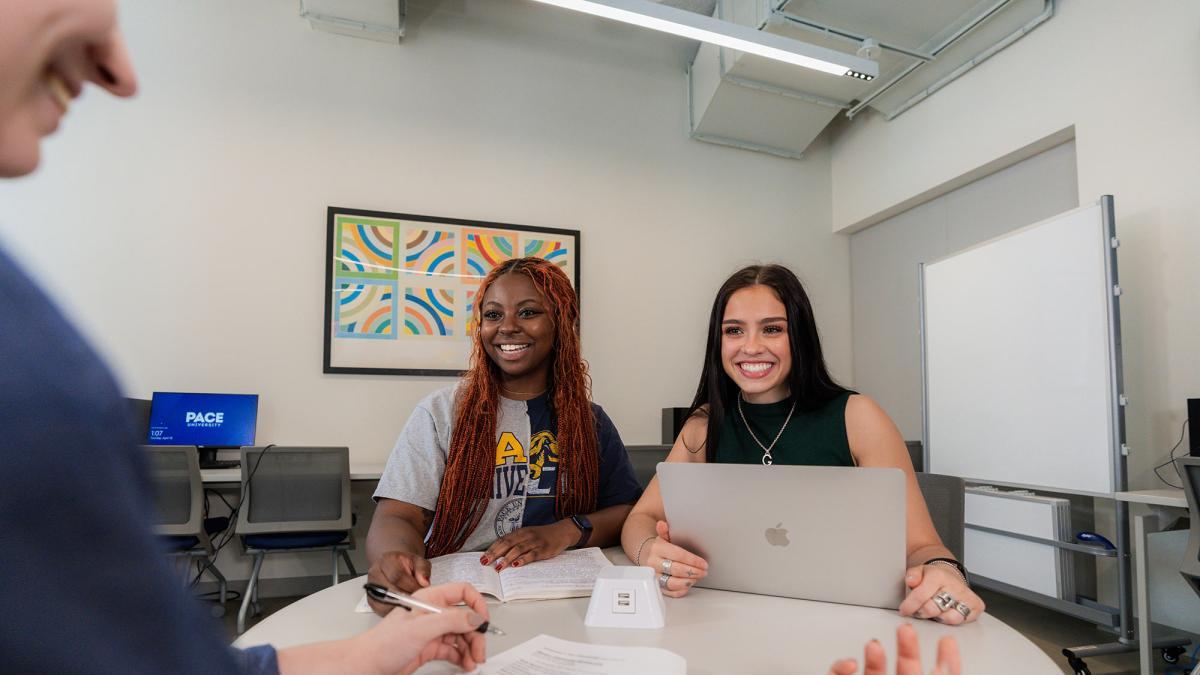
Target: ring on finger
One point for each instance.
(961, 608)
(662, 580)
(666, 565)
(944, 600)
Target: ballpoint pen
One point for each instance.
(408, 602)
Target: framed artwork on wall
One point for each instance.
(400, 289)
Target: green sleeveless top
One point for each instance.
(811, 438)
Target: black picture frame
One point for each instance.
(388, 277)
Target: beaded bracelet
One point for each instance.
(953, 564)
(637, 559)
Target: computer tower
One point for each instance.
(1194, 426)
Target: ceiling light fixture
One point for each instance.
(695, 26)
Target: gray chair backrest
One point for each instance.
(916, 453)
(945, 496)
(645, 459)
(139, 411)
(1189, 469)
(294, 489)
(178, 490)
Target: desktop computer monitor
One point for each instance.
(1193, 425)
(207, 421)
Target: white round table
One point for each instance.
(716, 631)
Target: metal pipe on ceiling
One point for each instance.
(815, 27)
(1047, 11)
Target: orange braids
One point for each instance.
(467, 482)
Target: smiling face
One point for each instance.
(48, 50)
(755, 351)
(517, 333)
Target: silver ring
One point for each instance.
(962, 609)
(943, 600)
(662, 581)
(666, 566)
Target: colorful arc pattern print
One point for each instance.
(554, 251)
(409, 285)
(366, 308)
(367, 248)
(430, 252)
(429, 311)
(470, 312)
(485, 251)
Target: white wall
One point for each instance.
(884, 259)
(185, 230)
(1125, 75)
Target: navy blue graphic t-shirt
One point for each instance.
(617, 482)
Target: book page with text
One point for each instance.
(466, 567)
(569, 574)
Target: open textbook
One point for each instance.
(570, 574)
(545, 655)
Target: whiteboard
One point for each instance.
(1021, 357)
(1042, 568)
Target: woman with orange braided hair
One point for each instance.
(514, 460)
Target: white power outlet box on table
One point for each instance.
(626, 597)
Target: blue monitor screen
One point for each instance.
(205, 420)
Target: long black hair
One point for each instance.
(809, 380)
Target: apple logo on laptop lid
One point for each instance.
(777, 536)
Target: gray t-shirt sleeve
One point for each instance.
(414, 469)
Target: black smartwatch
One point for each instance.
(585, 530)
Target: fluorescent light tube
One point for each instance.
(695, 26)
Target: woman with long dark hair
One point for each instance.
(765, 396)
(514, 461)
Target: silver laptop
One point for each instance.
(819, 533)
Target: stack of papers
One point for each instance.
(1042, 568)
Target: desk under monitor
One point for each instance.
(1163, 503)
(359, 470)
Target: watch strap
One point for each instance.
(585, 529)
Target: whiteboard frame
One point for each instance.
(1118, 448)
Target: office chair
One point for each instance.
(645, 459)
(179, 510)
(916, 453)
(1189, 470)
(945, 497)
(293, 499)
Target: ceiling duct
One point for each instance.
(709, 30)
(746, 101)
(379, 20)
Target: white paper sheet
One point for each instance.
(545, 655)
